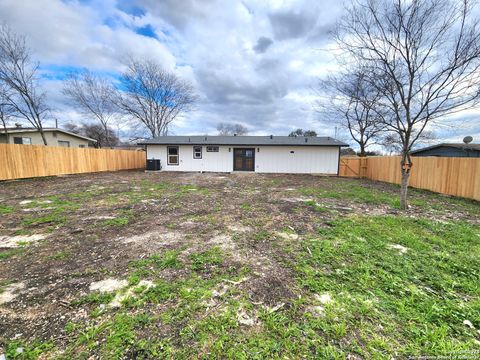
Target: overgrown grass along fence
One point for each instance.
(26, 161)
(446, 175)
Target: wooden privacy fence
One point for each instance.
(25, 161)
(446, 175)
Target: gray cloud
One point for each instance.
(212, 43)
(263, 43)
(289, 25)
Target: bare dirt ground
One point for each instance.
(67, 241)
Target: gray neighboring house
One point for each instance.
(449, 150)
(263, 154)
(54, 136)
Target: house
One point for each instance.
(449, 150)
(54, 136)
(263, 154)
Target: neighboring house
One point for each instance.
(449, 150)
(263, 154)
(54, 136)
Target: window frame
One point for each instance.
(195, 150)
(212, 148)
(65, 142)
(177, 155)
(22, 139)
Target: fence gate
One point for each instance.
(352, 167)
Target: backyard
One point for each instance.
(163, 265)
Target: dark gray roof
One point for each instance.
(452, 145)
(244, 140)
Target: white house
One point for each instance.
(263, 154)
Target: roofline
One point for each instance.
(218, 144)
(457, 146)
(20, 130)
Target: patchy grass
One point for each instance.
(228, 266)
(357, 193)
(5, 209)
(205, 259)
(408, 299)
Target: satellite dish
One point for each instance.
(467, 139)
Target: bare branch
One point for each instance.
(18, 74)
(153, 96)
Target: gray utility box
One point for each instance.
(153, 165)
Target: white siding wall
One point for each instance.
(270, 159)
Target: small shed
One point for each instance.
(449, 150)
(263, 154)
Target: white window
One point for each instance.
(63, 143)
(197, 152)
(81, 146)
(212, 148)
(172, 158)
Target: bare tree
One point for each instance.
(19, 74)
(231, 129)
(425, 58)
(353, 102)
(95, 96)
(153, 96)
(6, 111)
(96, 132)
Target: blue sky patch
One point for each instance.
(146, 30)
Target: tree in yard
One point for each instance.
(154, 97)
(301, 132)
(424, 58)
(353, 102)
(97, 132)
(19, 75)
(231, 129)
(6, 110)
(95, 97)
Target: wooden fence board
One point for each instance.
(25, 161)
(446, 175)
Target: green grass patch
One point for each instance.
(95, 298)
(7, 254)
(122, 219)
(354, 192)
(28, 350)
(5, 209)
(418, 297)
(150, 266)
(246, 207)
(205, 259)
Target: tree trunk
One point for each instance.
(43, 137)
(404, 189)
(362, 151)
(5, 130)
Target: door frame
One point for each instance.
(253, 158)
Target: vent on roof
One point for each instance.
(205, 138)
(271, 136)
(306, 139)
(18, 125)
(234, 134)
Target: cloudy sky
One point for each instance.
(251, 62)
